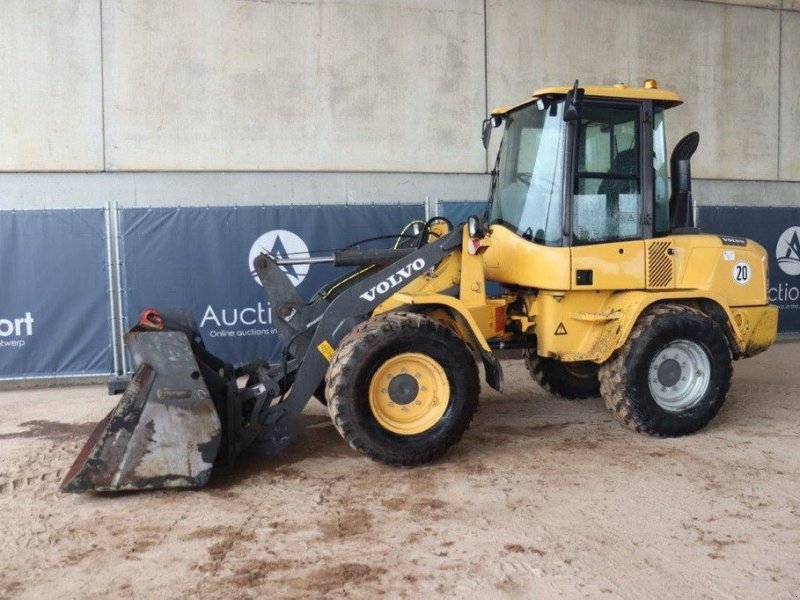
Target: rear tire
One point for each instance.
(402, 388)
(573, 381)
(671, 376)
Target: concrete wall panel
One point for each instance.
(774, 4)
(68, 190)
(329, 85)
(790, 97)
(50, 86)
(722, 59)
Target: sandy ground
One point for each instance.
(543, 497)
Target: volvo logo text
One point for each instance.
(394, 280)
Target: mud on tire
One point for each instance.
(572, 381)
(362, 353)
(670, 344)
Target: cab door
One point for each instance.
(611, 192)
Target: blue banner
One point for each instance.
(54, 312)
(201, 258)
(778, 230)
(457, 211)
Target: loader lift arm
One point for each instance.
(349, 308)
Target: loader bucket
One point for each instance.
(165, 431)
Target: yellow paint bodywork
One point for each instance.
(513, 260)
(617, 266)
(665, 98)
(456, 292)
(588, 322)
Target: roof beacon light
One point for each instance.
(650, 84)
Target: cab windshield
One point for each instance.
(527, 194)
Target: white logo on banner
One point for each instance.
(19, 327)
(281, 243)
(788, 251)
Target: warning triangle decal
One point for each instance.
(561, 330)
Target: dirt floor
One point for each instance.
(543, 497)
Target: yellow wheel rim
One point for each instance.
(409, 393)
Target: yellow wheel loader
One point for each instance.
(607, 286)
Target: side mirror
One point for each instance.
(486, 131)
(475, 228)
(573, 103)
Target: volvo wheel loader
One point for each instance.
(607, 286)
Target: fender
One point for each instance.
(748, 328)
(459, 311)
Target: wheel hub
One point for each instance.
(403, 389)
(409, 393)
(679, 375)
(669, 372)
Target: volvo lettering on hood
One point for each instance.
(393, 281)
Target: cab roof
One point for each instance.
(618, 91)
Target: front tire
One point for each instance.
(671, 376)
(402, 388)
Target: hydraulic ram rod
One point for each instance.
(351, 258)
(304, 261)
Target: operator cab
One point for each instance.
(582, 166)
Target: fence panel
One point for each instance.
(458, 210)
(201, 258)
(55, 318)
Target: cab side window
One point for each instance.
(607, 188)
(660, 182)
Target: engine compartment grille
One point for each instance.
(659, 264)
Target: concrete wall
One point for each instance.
(249, 85)
(50, 86)
(722, 59)
(158, 103)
